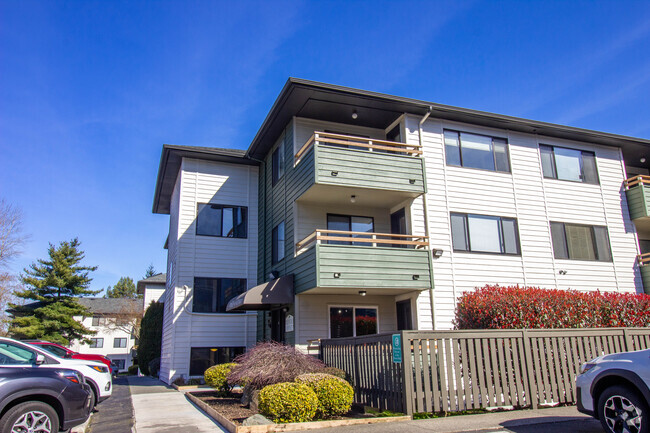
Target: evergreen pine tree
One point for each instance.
(124, 288)
(150, 272)
(54, 284)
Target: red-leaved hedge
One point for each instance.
(497, 307)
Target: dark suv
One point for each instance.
(42, 400)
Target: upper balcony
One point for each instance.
(388, 172)
(342, 262)
(637, 190)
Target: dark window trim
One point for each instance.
(217, 278)
(501, 237)
(350, 225)
(593, 240)
(274, 253)
(196, 228)
(278, 173)
(582, 172)
(97, 340)
(116, 339)
(494, 158)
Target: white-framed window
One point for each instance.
(352, 321)
(484, 234)
(96, 343)
(119, 343)
(99, 321)
(568, 164)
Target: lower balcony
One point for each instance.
(339, 262)
(644, 267)
(637, 192)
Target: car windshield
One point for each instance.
(54, 350)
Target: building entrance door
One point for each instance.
(404, 316)
(277, 325)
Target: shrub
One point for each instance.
(216, 376)
(133, 369)
(334, 394)
(150, 337)
(270, 363)
(179, 381)
(336, 372)
(288, 402)
(496, 307)
(154, 367)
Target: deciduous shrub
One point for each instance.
(496, 307)
(270, 363)
(216, 376)
(334, 394)
(288, 402)
(336, 372)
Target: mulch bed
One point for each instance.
(231, 407)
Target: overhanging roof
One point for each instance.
(272, 294)
(312, 99)
(170, 163)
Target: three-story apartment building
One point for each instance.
(354, 213)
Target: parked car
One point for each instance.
(64, 352)
(615, 389)
(43, 400)
(17, 354)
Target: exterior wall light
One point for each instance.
(273, 275)
(436, 252)
(354, 114)
(562, 272)
(362, 292)
(353, 199)
(416, 277)
(337, 275)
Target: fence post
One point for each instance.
(629, 345)
(407, 375)
(355, 359)
(528, 354)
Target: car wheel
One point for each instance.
(31, 416)
(93, 399)
(621, 410)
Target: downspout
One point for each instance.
(425, 209)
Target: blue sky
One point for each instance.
(90, 90)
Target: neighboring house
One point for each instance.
(152, 289)
(354, 212)
(113, 320)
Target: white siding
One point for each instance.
(210, 257)
(108, 334)
(153, 292)
(534, 201)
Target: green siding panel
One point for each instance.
(638, 198)
(365, 267)
(375, 170)
(645, 278)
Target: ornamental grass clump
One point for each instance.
(515, 307)
(288, 402)
(334, 394)
(271, 363)
(216, 377)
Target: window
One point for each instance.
(580, 242)
(118, 364)
(96, 343)
(347, 223)
(202, 358)
(352, 321)
(222, 221)
(277, 161)
(119, 342)
(484, 234)
(11, 354)
(99, 321)
(211, 295)
(476, 151)
(568, 164)
(278, 243)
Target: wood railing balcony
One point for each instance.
(358, 143)
(643, 259)
(637, 180)
(367, 239)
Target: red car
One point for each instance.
(64, 352)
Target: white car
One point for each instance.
(615, 389)
(14, 353)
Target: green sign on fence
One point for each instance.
(397, 348)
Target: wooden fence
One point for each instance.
(450, 371)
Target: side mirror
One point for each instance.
(40, 359)
(68, 355)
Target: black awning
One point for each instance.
(272, 294)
